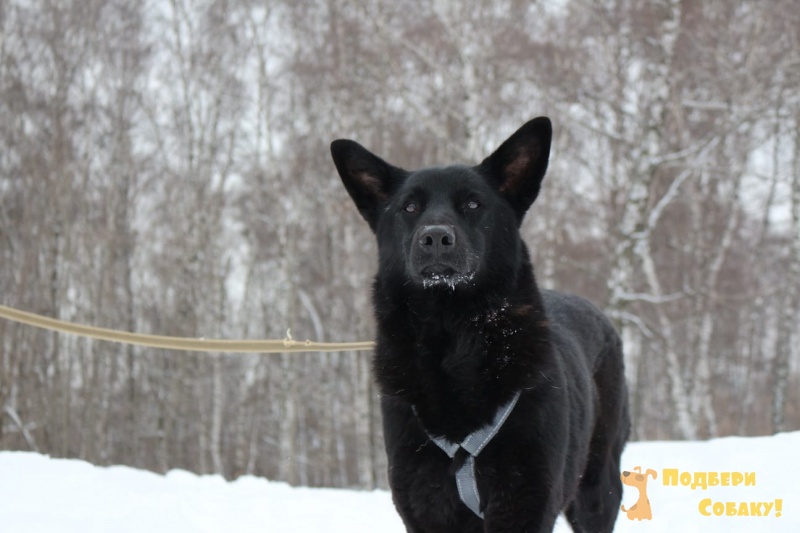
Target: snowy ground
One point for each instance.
(39, 494)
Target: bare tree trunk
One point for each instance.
(363, 418)
(217, 403)
(790, 310)
(288, 425)
(701, 393)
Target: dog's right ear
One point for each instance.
(369, 179)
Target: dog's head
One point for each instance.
(637, 479)
(448, 227)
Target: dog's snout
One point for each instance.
(439, 255)
(438, 237)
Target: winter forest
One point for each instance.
(164, 168)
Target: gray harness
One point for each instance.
(466, 482)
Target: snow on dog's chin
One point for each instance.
(449, 280)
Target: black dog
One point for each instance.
(465, 338)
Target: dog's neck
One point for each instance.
(441, 367)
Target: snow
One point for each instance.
(41, 494)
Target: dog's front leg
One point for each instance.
(522, 508)
(426, 498)
(423, 486)
(522, 471)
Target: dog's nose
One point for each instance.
(626, 473)
(437, 238)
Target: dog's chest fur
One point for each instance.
(457, 361)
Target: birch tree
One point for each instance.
(790, 310)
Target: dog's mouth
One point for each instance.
(444, 276)
(438, 270)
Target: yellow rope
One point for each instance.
(180, 343)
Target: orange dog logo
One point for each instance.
(641, 510)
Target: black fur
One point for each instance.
(462, 326)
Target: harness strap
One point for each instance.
(466, 483)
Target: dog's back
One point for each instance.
(576, 324)
(590, 348)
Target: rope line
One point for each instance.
(180, 343)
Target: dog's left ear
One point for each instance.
(517, 168)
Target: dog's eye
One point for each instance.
(410, 207)
(472, 205)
